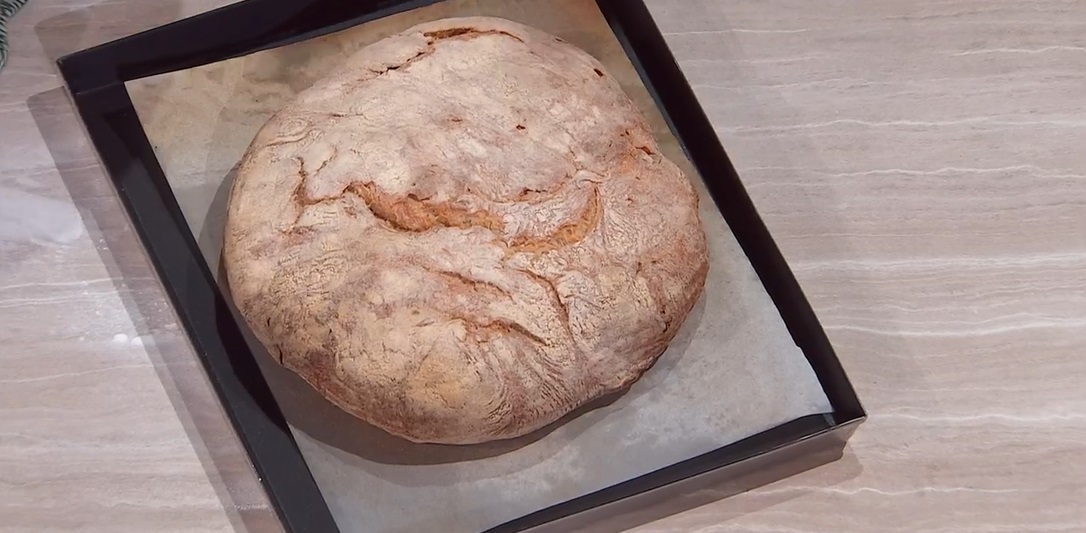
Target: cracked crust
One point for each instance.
(465, 234)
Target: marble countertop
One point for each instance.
(921, 164)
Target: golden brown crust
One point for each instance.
(464, 235)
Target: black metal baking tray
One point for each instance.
(96, 82)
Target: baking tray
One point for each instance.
(96, 81)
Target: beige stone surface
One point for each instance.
(921, 164)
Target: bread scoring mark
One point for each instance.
(626, 134)
(567, 234)
(337, 114)
(412, 214)
(500, 326)
(282, 141)
(437, 36)
(451, 33)
(536, 195)
(300, 195)
(556, 297)
(409, 213)
(421, 54)
(475, 284)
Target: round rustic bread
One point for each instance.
(464, 234)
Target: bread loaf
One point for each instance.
(463, 234)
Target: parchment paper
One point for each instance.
(733, 370)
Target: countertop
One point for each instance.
(922, 165)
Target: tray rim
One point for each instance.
(95, 80)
